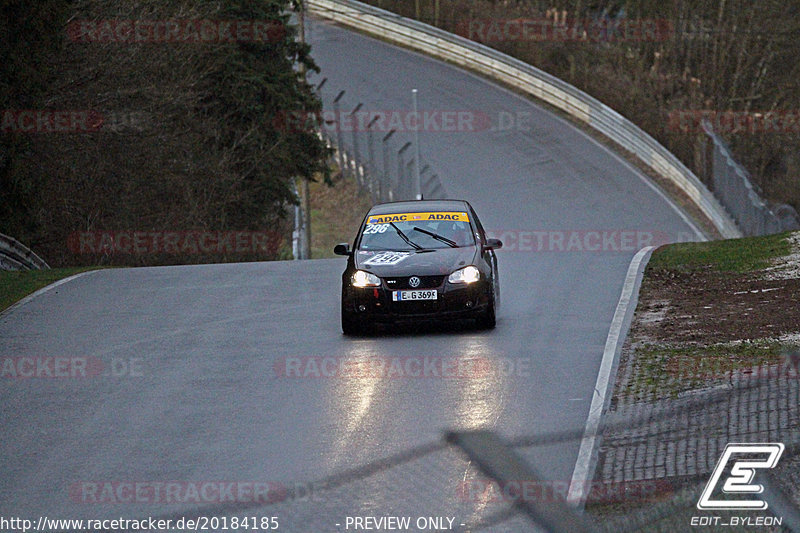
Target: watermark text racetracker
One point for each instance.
(406, 120)
(52, 367)
(173, 242)
(177, 492)
(426, 120)
(50, 121)
(400, 367)
(735, 122)
(594, 240)
(66, 121)
(726, 367)
(548, 30)
(547, 491)
(175, 31)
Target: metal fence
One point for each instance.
(735, 207)
(381, 164)
(656, 457)
(732, 185)
(527, 78)
(649, 437)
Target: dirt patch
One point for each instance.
(710, 306)
(710, 313)
(786, 267)
(337, 210)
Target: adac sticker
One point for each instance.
(455, 216)
(387, 258)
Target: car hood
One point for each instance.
(441, 261)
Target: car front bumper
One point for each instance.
(453, 302)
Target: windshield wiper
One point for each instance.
(405, 238)
(448, 242)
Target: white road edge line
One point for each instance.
(579, 484)
(43, 290)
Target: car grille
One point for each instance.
(415, 308)
(426, 282)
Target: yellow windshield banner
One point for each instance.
(453, 216)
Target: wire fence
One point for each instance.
(734, 194)
(530, 80)
(732, 185)
(381, 162)
(655, 458)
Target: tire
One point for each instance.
(488, 319)
(350, 326)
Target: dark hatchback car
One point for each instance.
(419, 260)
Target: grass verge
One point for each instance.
(16, 285)
(665, 371)
(336, 213)
(733, 255)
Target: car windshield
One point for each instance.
(399, 234)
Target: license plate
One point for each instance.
(403, 296)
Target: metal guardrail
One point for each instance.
(16, 256)
(535, 82)
(734, 188)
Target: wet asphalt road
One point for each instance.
(195, 356)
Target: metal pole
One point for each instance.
(321, 117)
(422, 172)
(373, 173)
(387, 177)
(409, 171)
(417, 184)
(305, 229)
(356, 155)
(298, 225)
(403, 184)
(304, 197)
(339, 146)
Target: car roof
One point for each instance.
(419, 206)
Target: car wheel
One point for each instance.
(487, 320)
(350, 326)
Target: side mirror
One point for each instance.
(342, 249)
(493, 244)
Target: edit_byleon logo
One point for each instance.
(751, 457)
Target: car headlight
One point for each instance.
(468, 274)
(365, 279)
